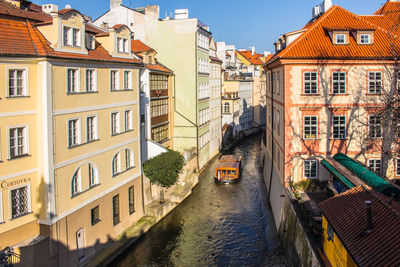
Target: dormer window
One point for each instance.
(122, 45)
(365, 39)
(72, 37)
(90, 43)
(340, 39)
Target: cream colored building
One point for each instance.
(70, 172)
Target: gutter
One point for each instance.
(272, 132)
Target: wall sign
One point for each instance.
(6, 184)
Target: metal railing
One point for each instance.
(8, 257)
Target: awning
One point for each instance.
(337, 174)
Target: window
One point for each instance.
(397, 168)
(16, 83)
(375, 126)
(160, 134)
(76, 182)
(159, 107)
(277, 83)
(310, 82)
(122, 45)
(116, 218)
(374, 82)
(72, 36)
(91, 127)
(73, 132)
(310, 169)
(339, 127)
(278, 158)
(95, 215)
(115, 124)
(91, 81)
(129, 159)
(18, 142)
(365, 39)
(127, 80)
(310, 127)
(90, 42)
(20, 202)
(114, 82)
(67, 36)
(375, 165)
(76, 38)
(128, 120)
(116, 165)
(72, 81)
(340, 39)
(339, 82)
(226, 108)
(131, 200)
(330, 233)
(278, 122)
(158, 82)
(93, 177)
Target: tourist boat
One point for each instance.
(229, 169)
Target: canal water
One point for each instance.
(218, 225)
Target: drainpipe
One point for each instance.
(272, 134)
(141, 84)
(197, 100)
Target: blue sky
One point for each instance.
(239, 22)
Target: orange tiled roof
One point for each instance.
(11, 10)
(216, 59)
(93, 29)
(255, 59)
(139, 47)
(22, 38)
(315, 42)
(158, 67)
(346, 213)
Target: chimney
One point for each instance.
(253, 50)
(49, 8)
(181, 13)
(369, 217)
(115, 3)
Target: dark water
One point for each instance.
(218, 225)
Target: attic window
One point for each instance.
(365, 39)
(340, 39)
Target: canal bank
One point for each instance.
(223, 225)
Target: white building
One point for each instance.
(246, 117)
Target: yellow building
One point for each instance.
(70, 172)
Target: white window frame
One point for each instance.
(25, 141)
(67, 35)
(29, 202)
(95, 128)
(340, 35)
(339, 126)
(311, 125)
(78, 181)
(130, 160)
(373, 169)
(365, 35)
(116, 83)
(311, 161)
(116, 169)
(129, 80)
(375, 136)
(77, 82)
(79, 136)
(310, 82)
(128, 122)
(95, 175)
(375, 81)
(94, 80)
(25, 75)
(339, 83)
(117, 123)
(76, 36)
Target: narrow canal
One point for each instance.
(218, 225)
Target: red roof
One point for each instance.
(139, 47)
(216, 59)
(158, 67)
(315, 42)
(346, 213)
(11, 10)
(255, 59)
(22, 38)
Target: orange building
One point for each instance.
(324, 89)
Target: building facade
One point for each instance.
(325, 98)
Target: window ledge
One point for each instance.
(82, 144)
(339, 94)
(121, 90)
(313, 139)
(121, 133)
(19, 157)
(339, 139)
(84, 191)
(310, 94)
(96, 222)
(83, 93)
(17, 217)
(372, 94)
(17, 96)
(126, 170)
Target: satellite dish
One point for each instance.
(68, 6)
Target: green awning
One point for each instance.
(337, 174)
(369, 177)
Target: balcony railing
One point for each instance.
(8, 257)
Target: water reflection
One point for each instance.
(218, 225)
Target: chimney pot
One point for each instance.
(369, 217)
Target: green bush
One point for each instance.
(164, 169)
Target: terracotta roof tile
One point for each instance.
(255, 59)
(139, 47)
(11, 10)
(346, 213)
(216, 59)
(158, 67)
(316, 43)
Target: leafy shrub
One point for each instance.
(164, 169)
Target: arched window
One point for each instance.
(116, 164)
(93, 175)
(129, 159)
(76, 182)
(226, 108)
